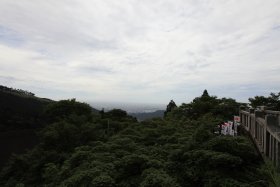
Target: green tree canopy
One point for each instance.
(272, 101)
(223, 108)
(112, 149)
(65, 108)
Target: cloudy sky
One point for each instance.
(147, 51)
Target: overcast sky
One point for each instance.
(146, 51)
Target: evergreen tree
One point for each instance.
(171, 105)
(205, 93)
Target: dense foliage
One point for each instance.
(110, 149)
(272, 102)
(223, 108)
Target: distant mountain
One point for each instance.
(128, 107)
(148, 115)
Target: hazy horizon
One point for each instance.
(140, 51)
(128, 107)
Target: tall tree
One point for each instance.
(171, 105)
(205, 93)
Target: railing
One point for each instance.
(264, 127)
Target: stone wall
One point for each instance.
(264, 127)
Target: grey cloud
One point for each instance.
(277, 27)
(10, 37)
(7, 80)
(94, 70)
(153, 49)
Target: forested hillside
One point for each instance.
(21, 115)
(20, 109)
(108, 149)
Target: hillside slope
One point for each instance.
(20, 110)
